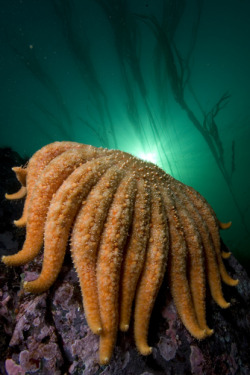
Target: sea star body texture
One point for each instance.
(129, 224)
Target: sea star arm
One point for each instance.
(36, 165)
(152, 274)
(61, 214)
(208, 215)
(109, 264)
(196, 269)
(225, 254)
(179, 284)
(18, 195)
(52, 176)
(135, 252)
(225, 225)
(85, 239)
(212, 269)
(21, 174)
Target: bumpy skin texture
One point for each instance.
(129, 223)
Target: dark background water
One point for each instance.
(164, 80)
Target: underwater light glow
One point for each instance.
(149, 156)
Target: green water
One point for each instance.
(163, 80)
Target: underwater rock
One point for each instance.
(48, 333)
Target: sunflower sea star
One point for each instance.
(127, 219)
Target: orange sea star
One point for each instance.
(127, 219)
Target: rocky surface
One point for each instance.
(48, 333)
